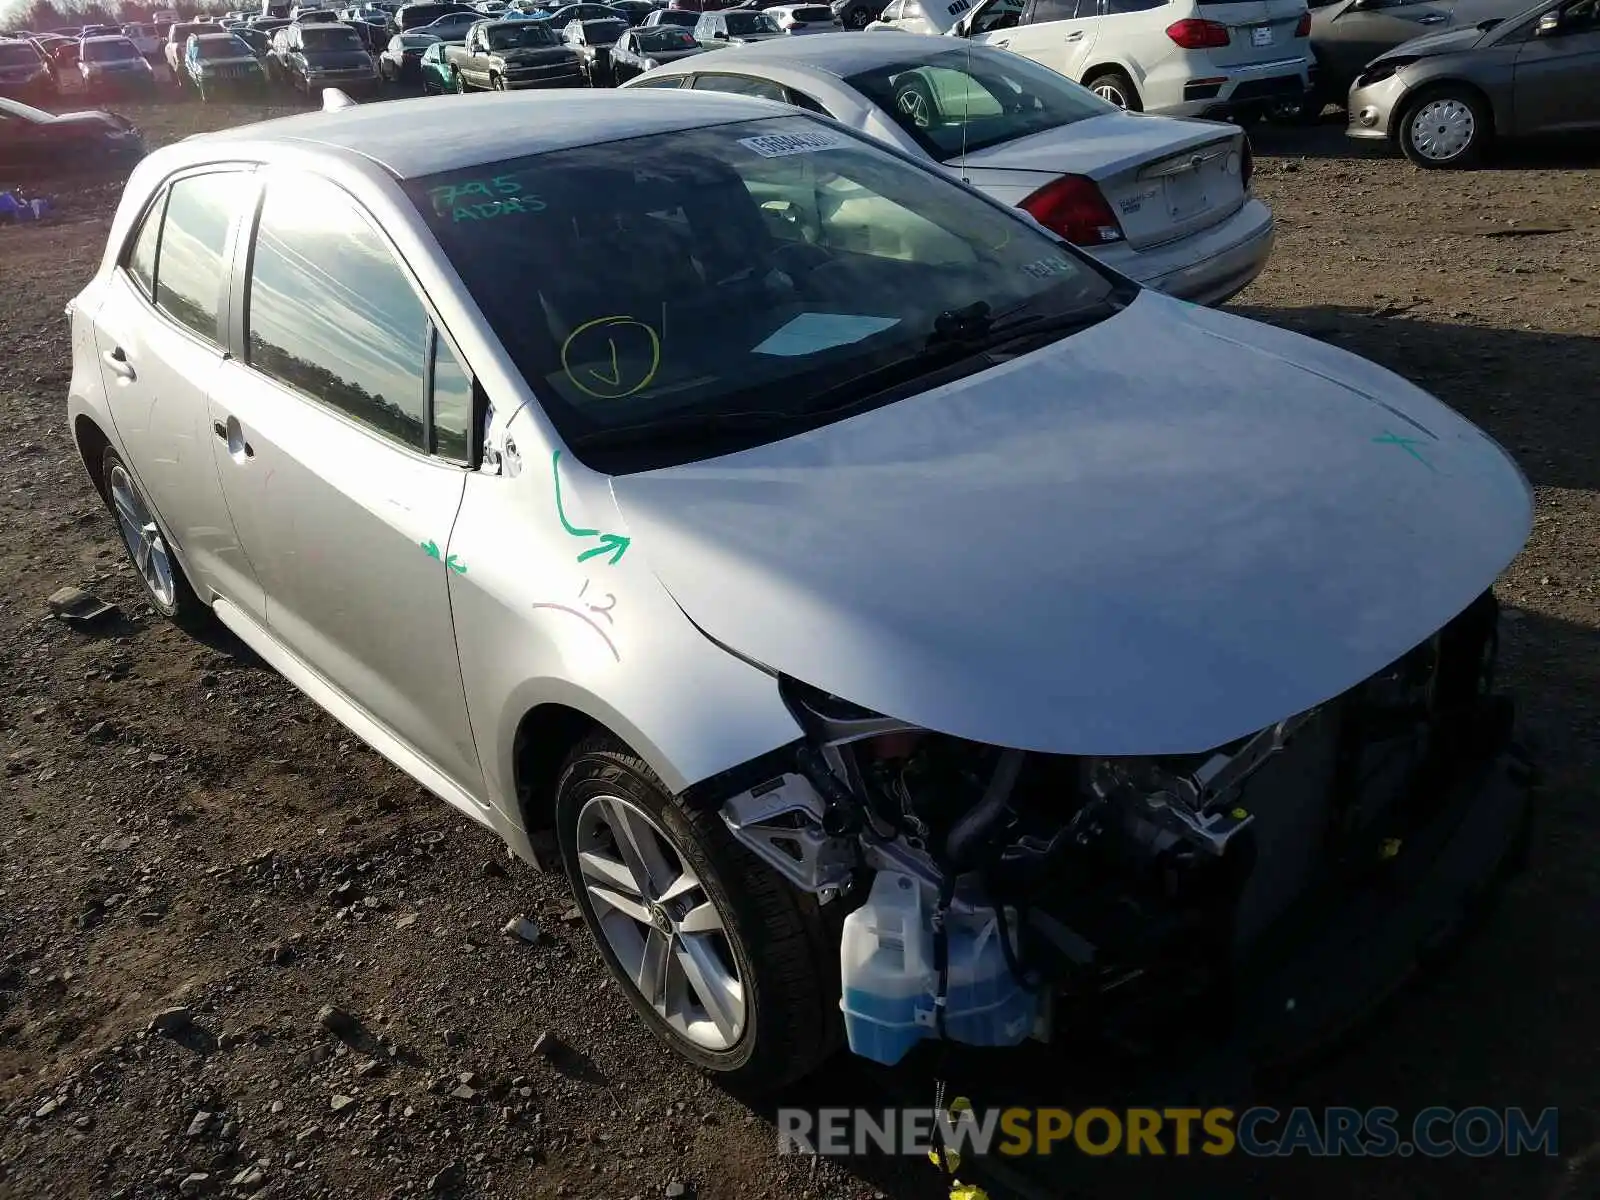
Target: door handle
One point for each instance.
(117, 362)
(1075, 36)
(233, 434)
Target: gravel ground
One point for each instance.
(180, 830)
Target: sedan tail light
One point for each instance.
(1198, 35)
(1247, 163)
(1303, 29)
(1073, 207)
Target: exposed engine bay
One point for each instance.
(988, 892)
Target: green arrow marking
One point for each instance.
(460, 568)
(613, 544)
(1409, 445)
(430, 549)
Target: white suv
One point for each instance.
(1189, 58)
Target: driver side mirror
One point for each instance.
(1549, 25)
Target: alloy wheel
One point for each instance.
(1107, 89)
(142, 536)
(1443, 129)
(660, 922)
(914, 105)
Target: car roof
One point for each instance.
(211, 37)
(836, 54)
(422, 136)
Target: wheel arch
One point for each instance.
(91, 442)
(545, 737)
(1420, 92)
(1126, 70)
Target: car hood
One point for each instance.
(337, 59)
(1165, 532)
(534, 56)
(1446, 41)
(1098, 147)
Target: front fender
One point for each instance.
(556, 606)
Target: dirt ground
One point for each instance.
(179, 827)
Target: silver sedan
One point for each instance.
(1165, 201)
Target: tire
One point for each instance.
(458, 86)
(782, 1021)
(916, 103)
(166, 587)
(1115, 86)
(858, 17)
(497, 83)
(1445, 127)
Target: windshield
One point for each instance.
(741, 24)
(180, 33)
(664, 38)
(603, 33)
(511, 37)
(117, 51)
(711, 271)
(813, 15)
(18, 54)
(228, 47)
(327, 37)
(971, 98)
(675, 16)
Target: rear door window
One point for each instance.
(192, 266)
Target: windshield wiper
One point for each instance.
(692, 425)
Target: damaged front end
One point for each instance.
(992, 895)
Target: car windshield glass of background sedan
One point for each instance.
(18, 54)
(512, 37)
(604, 32)
(330, 38)
(231, 47)
(664, 38)
(109, 51)
(961, 100)
(752, 265)
(742, 24)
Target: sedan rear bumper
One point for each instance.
(1208, 267)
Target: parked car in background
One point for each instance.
(715, 30)
(804, 18)
(1165, 201)
(563, 15)
(857, 14)
(25, 73)
(635, 10)
(592, 40)
(219, 64)
(452, 26)
(1348, 34)
(621, 391)
(33, 140)
(501, 56)
(909, 16)
(258, 40)
(1444, 97)
(415, 16)
(99, 31)
(63, 56)
(1193, 58)
(178, 35)
(113, 66)
(680, 18)
(145, 38)
(646, 48)
(326, 56)
(401, 60)
(436, 74)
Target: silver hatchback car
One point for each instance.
(895, 623)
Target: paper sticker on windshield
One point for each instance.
(1044, 268)
(811, 332)
(777, 145)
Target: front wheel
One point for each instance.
(721, 958)
(497, 83)
(1115, 87)
(457, 84)
(1445, 127)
